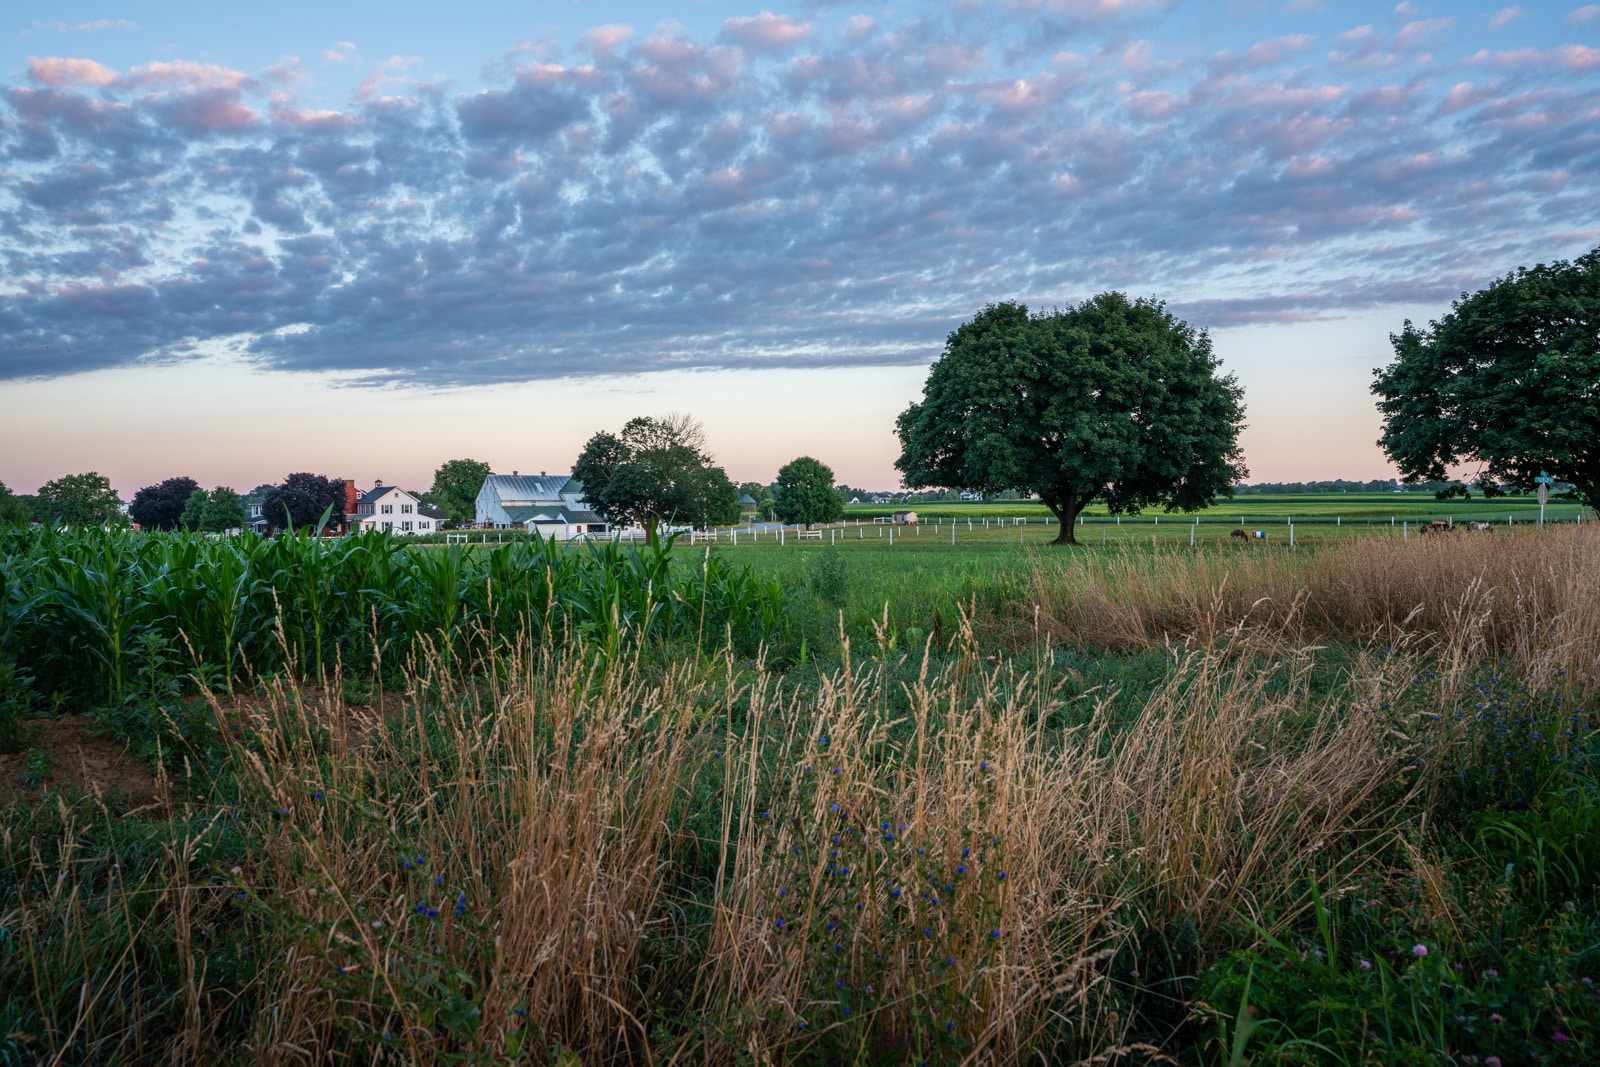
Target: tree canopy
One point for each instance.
(654, 471)
(194, 510)
(160, 506)
(304, 497)
(1111, 400)
(79, 500)
(806, 493)
(455, 489)
(224, 511)
(218, 511)
(1509, 380)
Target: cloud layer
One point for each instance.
(780, 193)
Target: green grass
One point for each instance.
(1353, 508)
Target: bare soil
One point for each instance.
(82, 762)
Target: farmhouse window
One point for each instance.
(388, 509)
(405, 509)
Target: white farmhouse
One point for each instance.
(392, 509)
(550, 505)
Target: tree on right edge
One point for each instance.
(1112, 400)
(1510, 380)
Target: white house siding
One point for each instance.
(387, 508)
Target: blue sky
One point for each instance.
(365, 238)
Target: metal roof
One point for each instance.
(530, 487)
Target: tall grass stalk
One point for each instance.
(690, 863)
(1532, 597)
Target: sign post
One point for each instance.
(1544, 481)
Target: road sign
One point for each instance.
(1544, 479)
(1544, 493)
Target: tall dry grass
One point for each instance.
(960, 893)
(692, 862)
(697, 865)
(1531, 596)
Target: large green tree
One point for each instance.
(806, 493)
(455, 489)
(79, 500)
(13, 508)
(302, 499)
(223, 511)
(194, 510)
(218, 511)
(1509, 380)
(161, 506)
(1112, 400)
(656, 470)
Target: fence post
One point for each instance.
(1404, 535)
(952, 533)
(1291, 535)
(780, 537)
(891, 537)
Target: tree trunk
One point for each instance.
(1066, 513)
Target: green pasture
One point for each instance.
(1338, 509)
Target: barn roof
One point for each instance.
(530, 487)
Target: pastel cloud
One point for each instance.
(766, 31)
(777, 193)
(64, 72)
(1505, 17)
(86, 27)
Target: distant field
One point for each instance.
(1336, 509)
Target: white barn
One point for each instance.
(549, 505)
(390, 508)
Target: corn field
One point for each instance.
(95, 617)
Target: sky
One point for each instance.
(361, 239)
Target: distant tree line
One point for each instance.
(1336, 485)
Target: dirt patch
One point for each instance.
(76, 760)
(348, 724)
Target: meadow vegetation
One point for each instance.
(1336, 804)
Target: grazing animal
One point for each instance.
(1436, 526)
(1240, 534)
(1485, 527)
(1248, 535)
